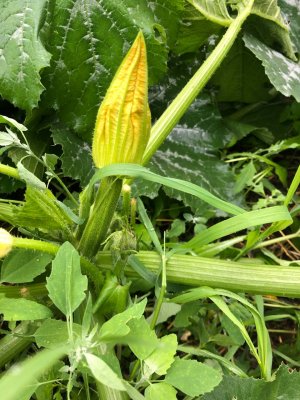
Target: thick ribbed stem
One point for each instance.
(236, 276)
(100, 218)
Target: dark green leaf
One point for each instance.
(88, 41)
(291, 10)
(192, 377)
(283, 73)
(66, 285)
(241, 77)
(23, 265)
(22, 54)
(286, 386)
(23, 310)
(76, 158)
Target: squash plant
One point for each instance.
(83, 253)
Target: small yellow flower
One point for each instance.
(123, 122)
(6, 241)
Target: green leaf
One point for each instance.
(27, 373)
(283, 73)
(22, 54)
(192, 377)
(176, 229)
(141, 339)
(30, 178)
(162, 357)
(41, 211)
(286, 386)
(194, 31)
(76, 158)
(23, 265)
(116, 327)
(241, 77)
(133, 170)
(271, 26)
(245, 177)
(103, 373)
(53, 333)
(213, 10)
(66, 285)
(101, 32)
(238, 223)
(291, 10)
(23, 310)
(13, 123)
(160, 391)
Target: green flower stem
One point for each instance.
(88, 268)
(9, 171)
(14, 343)
(100, 218)
(235, 276)
(181, 103)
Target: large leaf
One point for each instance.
(88, 41)
(194, 30)
(271, 26)
(291, 10)
(76, 158)
(214, 10)
(241, 77)
(286, 386)
(66, 285)
(283, 73)
(22, 55)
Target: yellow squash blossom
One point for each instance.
(123, 121)
(6, 242)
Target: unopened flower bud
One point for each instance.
(123, 122)
(6, 242)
